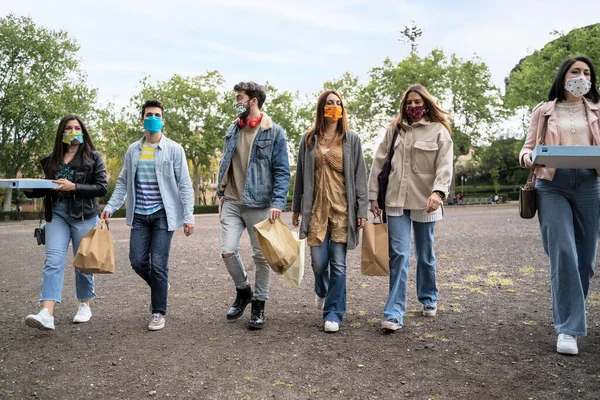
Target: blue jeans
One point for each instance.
(399, 249)
(59, 232)
(569, 215)
(234, 220)
(149, 248)
(330, 283)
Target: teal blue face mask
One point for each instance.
(153, 124)
(72, 138)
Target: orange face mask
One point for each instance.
(333, 112)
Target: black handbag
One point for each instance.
(384, 177)
(527, 203)
(39, 233)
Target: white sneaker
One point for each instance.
(157, 322)
(429, 311)
(84, 313)
(566, 344)
(331, 326)
(391, 324)
(42, 320)
(319, 302)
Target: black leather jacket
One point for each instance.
(90, 183)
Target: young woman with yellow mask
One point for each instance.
(330, 195)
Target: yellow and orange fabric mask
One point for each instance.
(333, 112)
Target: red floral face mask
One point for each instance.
(415, 112)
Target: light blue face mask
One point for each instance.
(153, 124)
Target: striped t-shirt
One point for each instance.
(147, 196)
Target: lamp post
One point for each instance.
(462, 184)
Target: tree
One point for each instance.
(40, 82)
(293, 114)
(530, 80)
(410, 35)
(498, 161)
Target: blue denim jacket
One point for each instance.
(268, 175)
(173, 178)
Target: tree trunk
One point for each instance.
(7, 199)
(196, 183)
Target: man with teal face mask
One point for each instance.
(155, 183)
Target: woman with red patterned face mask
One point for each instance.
(330, 195)
(410, 178)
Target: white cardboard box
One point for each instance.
(567, 156)
(27, 184)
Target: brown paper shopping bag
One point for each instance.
(294, 275)
(95, 254)
(278, 245)
(375, 258)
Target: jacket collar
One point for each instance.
(550, 106)
(423, 121)
(161, 142)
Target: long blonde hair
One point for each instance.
(319, 125)
(434, 112)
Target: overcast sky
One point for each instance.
(295, 45)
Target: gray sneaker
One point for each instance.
(157, 322)
(429, 311)
(42, 320)
(391, 324)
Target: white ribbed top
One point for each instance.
(415, 215)
(573, 126)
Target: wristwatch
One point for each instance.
(442, 195)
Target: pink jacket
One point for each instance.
(534, 133)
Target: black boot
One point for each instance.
(241, 301)
(257, 320)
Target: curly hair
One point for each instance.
(253, 90)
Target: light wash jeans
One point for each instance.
(569, 215)
(234, 219)
(149, 249)
(399, 249)
(59, 232)
(330, 283)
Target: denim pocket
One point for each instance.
(264, 148)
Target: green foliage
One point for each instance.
(40, 82)
(530, 80)
(291, 113)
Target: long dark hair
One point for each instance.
(319, 125)
(557, 91)
(434, 112)
(84, 152)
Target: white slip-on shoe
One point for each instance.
(42, 320)
(84, 313)
(331, 326)
(319, 302)
(429, 311)
(391, 324)
(567, 344)
(157, 322)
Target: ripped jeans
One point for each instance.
(234, 220)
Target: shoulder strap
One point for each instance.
(391, 151)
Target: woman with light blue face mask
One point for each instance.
(568, 200)
(71, 211)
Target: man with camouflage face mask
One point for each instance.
(254, 176)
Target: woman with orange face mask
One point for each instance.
(330, 195)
